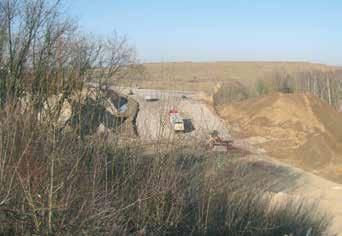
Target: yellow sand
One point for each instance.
(298, 128)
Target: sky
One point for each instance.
(219, 30)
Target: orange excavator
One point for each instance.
(217, 144)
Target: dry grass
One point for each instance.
(203, 76)
(54, 182)
(70, 181)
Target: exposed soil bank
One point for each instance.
(299, 129)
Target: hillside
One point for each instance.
(202, 76)
(299, 129)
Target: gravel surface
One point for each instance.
(153, 120)
(153, 124)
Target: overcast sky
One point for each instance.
(212, 30)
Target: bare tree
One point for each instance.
(283, 81)
(43, 53)
(323, 84)
(25, 25)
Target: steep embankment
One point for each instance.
(299, 129)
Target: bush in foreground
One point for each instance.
(52, 182)
(69, 182)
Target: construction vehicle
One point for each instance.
(151, 98)
(217, 144)
(176, 121)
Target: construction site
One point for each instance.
(298, 132)
(215, 118)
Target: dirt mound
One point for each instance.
(298, 128)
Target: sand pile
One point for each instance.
(297, 128)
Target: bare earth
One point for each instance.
(152, 124)
(299, 129)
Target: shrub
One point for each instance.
(262, 88)
(230, 92)
(72, 181)
(55, 182)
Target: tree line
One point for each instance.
(43, 52)
(326, 85)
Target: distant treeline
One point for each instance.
(326, 85)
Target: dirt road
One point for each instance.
(153, 120)
(311, 187)
(152, 124)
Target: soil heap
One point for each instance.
(299, 129)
